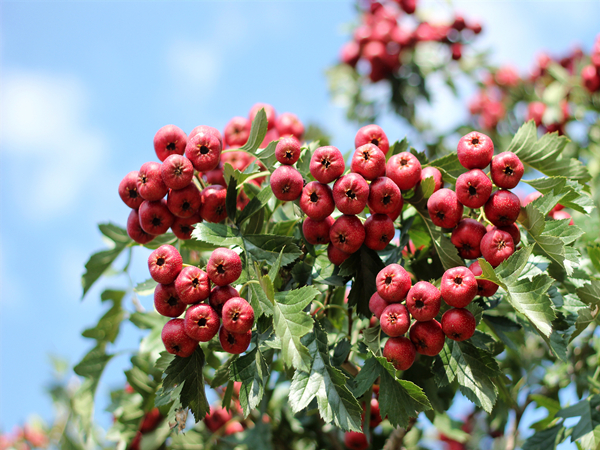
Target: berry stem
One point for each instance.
(253, 176)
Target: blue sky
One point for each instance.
(84, 87)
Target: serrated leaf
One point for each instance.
(368, 265)
(256, 204)
(571, 193)
(186, 374)
(115, 233)
(167, 238)
(217, 234)
(367, 376)
(397, 147)
(325, 383)
(268, 247)
(590, 293)
(147, 320)
(450, 167)
(551, 238)
(107, 328)
(545, 154)
(593, 251)
(98, 264)
(543, 440)
(528, 297)
(372, 339)
(146, 287)
(252, 370)
(221, 375)
(259, 300)
(474, 369)
(291, 322)
(589, 416)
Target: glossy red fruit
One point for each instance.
(350, 194)
(354, 440)
(379, 231)
(237, 132)
(423, 301)
(155, 217)
(375, 414)
(204, 150)
(177, 172)
(475, 150)
(377, 305)
(286, 183)
(444, 208)
(192, 285)
(128, 190)
(288, 124)
(201, 322)
(427, 337)
(458, 324)
(372, 134)
(287, 150)
(347, 233)
(369, 161)
(393, 283)
(169, 140)
(384, 196)
(395, 320)
(502, 208)
(316, 232)
(184, 202)
(434, 173)
(219, 295)
(269, 111)
(150, 184)
(473, 188)
(164, 264)
(237, 315)
(400, 351)
(316, 200)
(458, 287)
(335, 255)
(183, 227)
(134, 229)
(224, 266)
(217, 418)
(175, 339)
(327, 164)
(234, 343)
(212, 207)
(404, 169)
(166, 301)
(514, 232)
(590, 78)
(507, 170)
(467, 236)
(206, 130)
(485, 288)
(496, 246)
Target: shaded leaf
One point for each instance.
(217, 234)
(252, 370)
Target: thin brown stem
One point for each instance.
(396, 438)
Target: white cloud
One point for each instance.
(46, 141)
(195, 67)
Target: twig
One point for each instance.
(396, 438)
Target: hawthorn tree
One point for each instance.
(332, 358)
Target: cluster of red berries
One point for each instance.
(371, 182)
(24, 438)
(221, 418)
(184, 289)
(423, 301)
(383, 35)
(356, 440)
(150, 422)
(183, 157)
(590, 74)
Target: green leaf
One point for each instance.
(543, 440)
(107, 328)
(545, 154)
(291, 322)
(372, 339)
(231, 198)
(590, 293)
(593, 250)
(450, 167)
(325, 383)
(367, 376)
(217, 234)
(115, 233)
(252, 370)
(267, 247)
(257, 438)
(258, 132)
(256, 204)
(589, 416)
(146, 287)
(259, 300)
(186, 373)
(474, 369)
(367, 266)
(528, 297)
(98, 264)
(397, 147)
(267, 156)
(222, 374)
(571, 193)
(167, 238)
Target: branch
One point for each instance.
(396, 438)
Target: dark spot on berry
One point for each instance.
(325, 162)
(186, 205)
(143, 178)
(202, 322)
(342, 238)
(204, 150)
(185, 229)
(383, 238)
(235, 316)
(392, 318)
(172, 300)
(475, 141)
(388, 280)
(472, 191)
(160, 261)
(230, 339)
(220, 269)
(350, 194)
(176, 348)
(456, 335)
(314, 197)
(366, 155)
(195, 282)
(289, 154)
(404, 162)
(508, 171)
(440, 215)
(458, 280)
(178, 171)
(285, 189)
(171, 146)
(133, 193)
(375, 141)
(219, 209)
(387, 198)
(419, 303)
